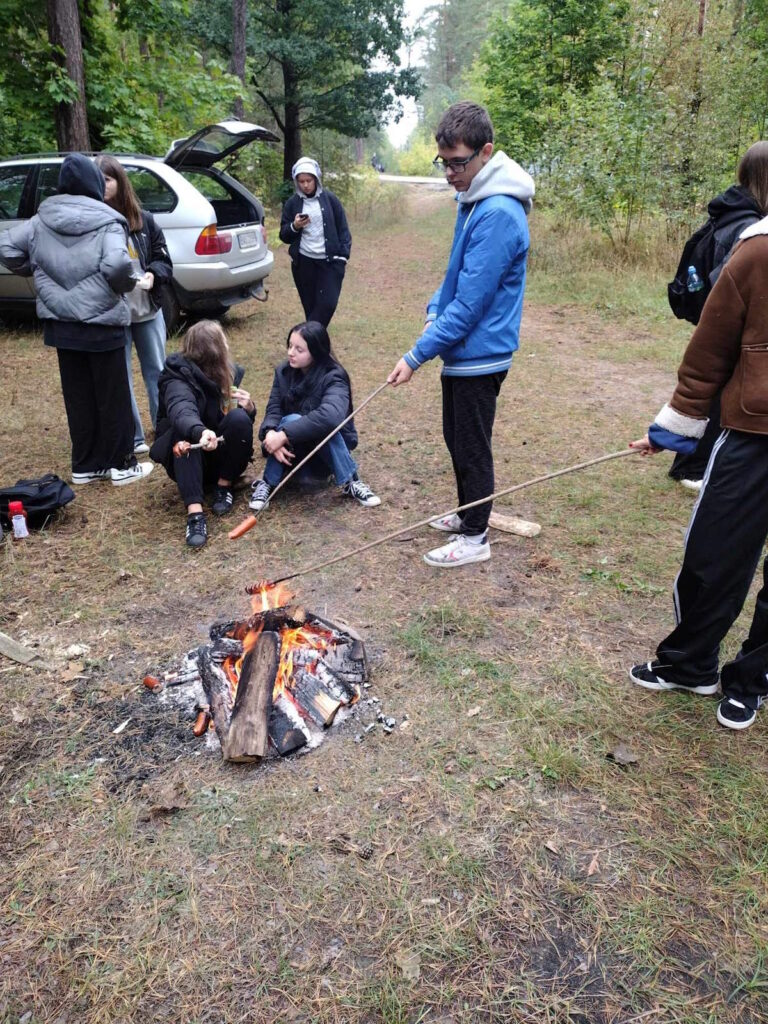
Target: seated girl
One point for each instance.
(311, 394)
(201, 402)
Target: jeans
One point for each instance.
(149, 338)
(334, 456)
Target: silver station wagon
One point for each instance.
(213, 225)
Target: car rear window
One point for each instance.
(210, 187)
(12, 180)
(47, 183)
(154, 194)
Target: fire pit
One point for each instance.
(272, 683)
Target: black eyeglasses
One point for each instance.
(454, 165)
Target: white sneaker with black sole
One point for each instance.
(141, 448)
(647, 676)
(448, 524)
(362, 493)
(459, 550)
(90, 478)
(260, 495)
(121, 477)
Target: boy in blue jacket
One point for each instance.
(473, 319)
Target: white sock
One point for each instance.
(477, 538)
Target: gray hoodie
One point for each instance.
(75, 248)
(501, 176)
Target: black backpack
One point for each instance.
(40, 498)
(699, 252)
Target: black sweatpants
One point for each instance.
(723, 547)
(318, 283)
(97, 398)
(469, 409)
(198, 470)
(693, 466)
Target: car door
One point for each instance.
(15, 208)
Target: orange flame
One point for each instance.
(270, 595)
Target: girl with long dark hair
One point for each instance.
(153, 267)
(311, 394)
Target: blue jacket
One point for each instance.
(475, 313)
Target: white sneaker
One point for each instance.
(692, 485)
(362, 493)
(90, 478)
(459, 551)
(260, 495)
(141, 448)
(449, 524)
(121, 477)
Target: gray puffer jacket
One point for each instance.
(75, 248)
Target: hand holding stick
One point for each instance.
(183, 448)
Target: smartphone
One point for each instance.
(304, 216)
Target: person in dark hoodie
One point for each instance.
(201, 402)
(311, 394)
(75, 248)
(314, 227)
(473, 319)
(738, 208)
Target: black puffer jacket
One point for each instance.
(153, 254)
(322, 397)
(189, 403)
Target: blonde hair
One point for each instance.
(125, 201)
(205, 344)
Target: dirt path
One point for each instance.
(518, 874)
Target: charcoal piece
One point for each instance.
(222, 629)
(219, 692)
(313, 699)
(286, 730)
(226, 647)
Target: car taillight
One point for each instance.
(211, 243)
(263, 233)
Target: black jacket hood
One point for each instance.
(80, 176)
(736, 200)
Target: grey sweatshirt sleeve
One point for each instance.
(14, 249)
(116, 264)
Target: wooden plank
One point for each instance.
(247, 739)
(19, 653)
(511, 524)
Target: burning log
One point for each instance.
(247, 739)
(307, 692)
(287, 732)
(219, 691)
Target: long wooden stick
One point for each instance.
(461, 508)
(250, 521)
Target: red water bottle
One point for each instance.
(18, 516)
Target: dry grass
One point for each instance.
(518, 874)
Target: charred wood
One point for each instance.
(287, 732)
(219, 692)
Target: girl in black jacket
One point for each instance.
(153, 266)
(314, 227)
(201, 402)
(311, 394)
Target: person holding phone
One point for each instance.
(314, 227)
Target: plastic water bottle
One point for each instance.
(694, 283)
(18, 517)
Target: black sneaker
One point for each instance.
(734, 715)
(197, 530)
(647, 675)
(362, 493)
(222, 501)
(260, 495)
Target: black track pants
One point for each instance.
(723, 547)
(469, 409)
(98, 403)
(200, 469)
(693, 466)
(318, 283)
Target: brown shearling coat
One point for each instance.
(729, 348)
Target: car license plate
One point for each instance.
(248, 240)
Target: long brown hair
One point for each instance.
(205, 344)
(753, 173)
(125, 201)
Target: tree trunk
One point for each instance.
(702, 16)
(64, 34)
(292, 133)
(239, 26)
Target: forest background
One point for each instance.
(630, 114)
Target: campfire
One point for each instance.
(273, 682)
